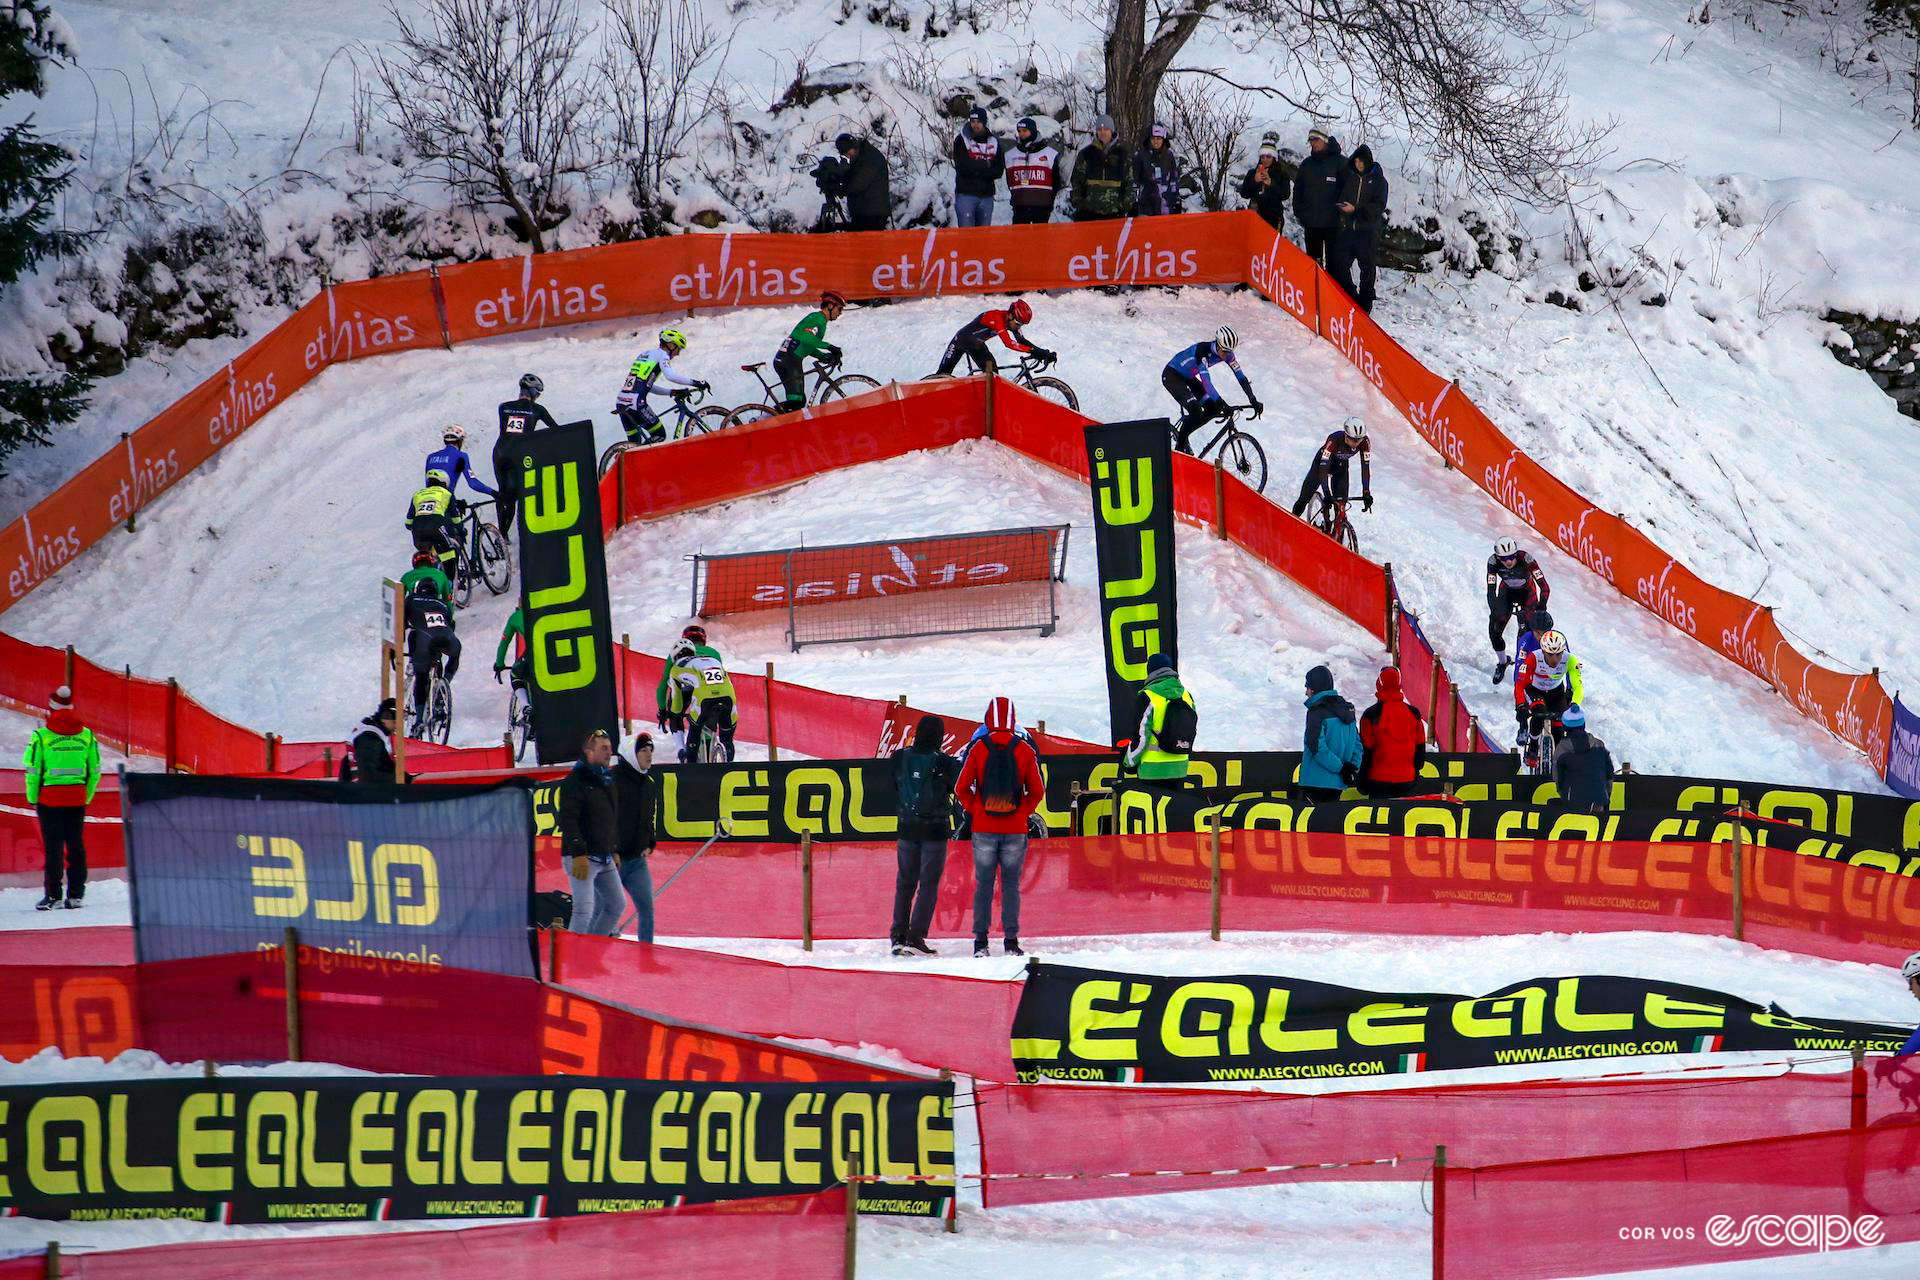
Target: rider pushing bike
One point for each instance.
(973, 337)
(809, 338)
(700, 695)
(1331, 464)
(649, 369)
(1188, 382)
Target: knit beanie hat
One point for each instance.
(62, 699)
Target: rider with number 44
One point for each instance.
(1188, 382)
(430, 635)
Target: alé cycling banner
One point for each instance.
(306, 1149)
(1144, 810)
(403, 876)
(1130, 466)
(563, 593)
(1092, 1024)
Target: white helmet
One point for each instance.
(1505, 549)
(1225, 338)
(1355, 428)
(1911, 969)
(681, 651)
(453, 433)
(1554, 644)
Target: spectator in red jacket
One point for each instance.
(999, 786)
(1393, 740)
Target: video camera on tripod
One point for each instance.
(830, 174)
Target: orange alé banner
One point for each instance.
(703, 271)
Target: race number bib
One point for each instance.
(714, 676)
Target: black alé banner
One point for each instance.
(408, 875)
(1143, 810)
(1092, 1024)
(305, 1149)
(563, 592)
(1130, 465)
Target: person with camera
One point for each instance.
(860, 179)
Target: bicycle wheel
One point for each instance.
(848, 384)
(495, 568)
(1054, 389)
(1347, 538)
(463, 576)
(748, 413)
(1242, 455)
(440, 713)
(711, 418)
(520, 723)
(612, 454)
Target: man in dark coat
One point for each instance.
(869, 200)
(1582, 766)
(369, 754)
(923, 778)
(1265, 187)
(978, 163)
(1103, 176)
(1156, 175)
(1316, 194)
(589, 838)
(1363, 215)
(636, 807)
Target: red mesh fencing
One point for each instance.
(930, 1019)
(83, 1010)
(799, 1236)
(1100, 1131)
(1682, 1207)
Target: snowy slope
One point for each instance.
(256, 580)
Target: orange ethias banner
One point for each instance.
(871, 571)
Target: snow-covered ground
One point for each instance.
(256, 580)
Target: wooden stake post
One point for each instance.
(1439, 1212)
(626, 704)
(1213, 858)
(855, 1172)
(393, 670)
(806, 891)
(773, 744)
(291, 945)
(1739, 870)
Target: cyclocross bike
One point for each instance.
(433, 722)
(519, 718)
(1238, 451)
(1024, 374)
(1328, 514)
(704, 745)
(1542, 766)
(480, 555)
(828, 384)
(681, 420)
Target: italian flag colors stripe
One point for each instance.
(1708, 1044)
(1130, 1075)
(1413, 1062)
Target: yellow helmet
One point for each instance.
(673, 338)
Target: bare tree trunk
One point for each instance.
(1137, 58)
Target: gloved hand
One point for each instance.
(1366, 502)
(1257, 407)
(664, 721)
(702, 387)
(832, 357)
(496, 674)
(1045, 356)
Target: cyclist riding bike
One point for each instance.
(974, 336)
(652, 367)
(700, 695)
(519, 418)
(1515, 585)
(426, 570)
(1539, 622)
(451, 458)
(515, 634)
(1547, 683)
(429, 637)
(667, 720)
(1188, 382)
(433, 517)
(809, 338)
(1331, 463)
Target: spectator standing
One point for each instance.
(1316, 194)
(869, 197)
(978, 163)
(1393, 738)
(369, 754)
(1265, 187)
(1156, 175)
(1582, 766)
(63, 771)
(1330, 753)
(589, 838)
(1165, 722)
(1000, 786)
(636, 809)
(1033, 174)
(1363, 215)
(923, 780)
(1103, 176)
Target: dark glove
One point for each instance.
(702, 387)
(496, 674)
(1044, 356)
(832, 356)
(1366, 502)
(1253, 402)
(1349, 774)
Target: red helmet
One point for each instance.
(695, 633)
(1021, 311)
(421, 559)
(832, 298)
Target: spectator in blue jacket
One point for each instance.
(1330, 752)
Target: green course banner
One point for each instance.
(1091, 1024)
(368, 1148)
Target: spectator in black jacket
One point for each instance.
(589, 838)
(636, 807)
(1363, 215)
(1265, 186)
(1582, 766)
(923, 778)
(1103, 176)
(978, 162)
(1156, 175)
(869, 201)
(369, 755)
(1316, 194)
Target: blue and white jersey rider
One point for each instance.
(451, 457)
(1187, 379)
(652, 368)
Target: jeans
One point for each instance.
(972, 211)
(596, 897)
(921, 863)
(1004, 855)
(63, 830)
(637, 875)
